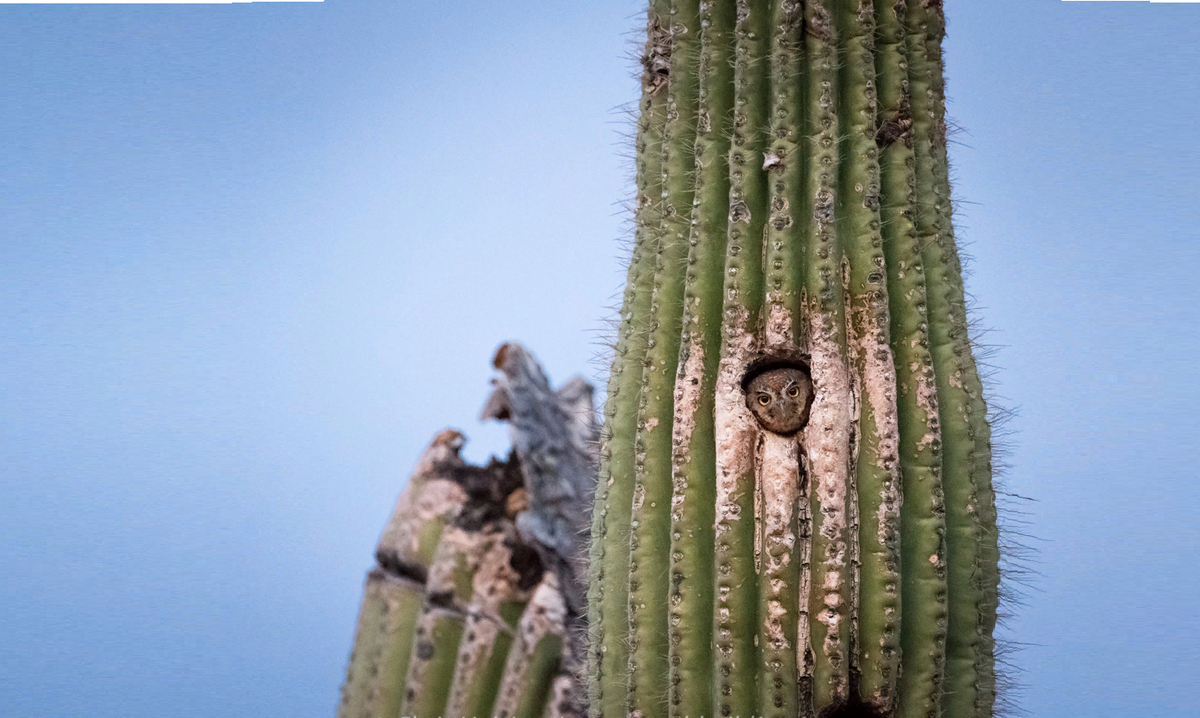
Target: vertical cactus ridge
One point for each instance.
(777, 459)
(849, 564)
(488, 591)
(923, 581)
(650, 523)
(989, 546)
(535, 656)
(693, 497)
(971, 657)
(376, 678)
(480, 683)
(783, 160)
(950, 350)
(827, 436)
(608, 584)
(543, 664)
(431, 668)
(877, 470)
(989, 553)
(735, 611)
(982, 506)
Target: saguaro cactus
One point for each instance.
(793, 220)
(475, 606)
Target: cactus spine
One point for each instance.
(793, 209)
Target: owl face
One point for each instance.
(780, 399)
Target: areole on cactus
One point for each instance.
(793, 213)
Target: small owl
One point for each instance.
(780, 399)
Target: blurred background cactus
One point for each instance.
(793, 213)
(475, 604)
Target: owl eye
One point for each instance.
(794, 391)
(764, 399)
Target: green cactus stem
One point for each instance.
(475, 607)
(386, 626)
(793, 210)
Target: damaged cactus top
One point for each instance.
(475, 605)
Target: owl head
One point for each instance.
(780, 398)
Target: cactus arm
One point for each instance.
(650, 525)
(877, 470)
(736, 605)
(693, 471)
(608, 600)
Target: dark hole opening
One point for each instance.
(769, 363)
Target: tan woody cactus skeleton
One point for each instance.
(793, 214)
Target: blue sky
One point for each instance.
(255, 256)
